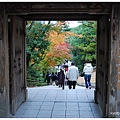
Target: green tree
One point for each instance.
(85, 47)
(37, 46)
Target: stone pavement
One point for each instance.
(53, 102)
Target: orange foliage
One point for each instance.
(61, 23)
(59, 49)
(56, 38)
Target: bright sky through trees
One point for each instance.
(73, 23)
(70, 23)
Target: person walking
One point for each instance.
(61, 78)
(88, 69)
(72, 75)
(48, 78)
(53, 77)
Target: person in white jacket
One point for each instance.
(88, 69)
(72, 75)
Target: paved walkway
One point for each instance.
(53, 102)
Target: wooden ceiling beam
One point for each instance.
(29, 8)
(60, 17)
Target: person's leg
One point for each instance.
(53, 83)
(74, 84)
(63, 83)
(85, 78)
(63, 86)
(59, 83)
(89, 83)
(47, 83)
(70, 83)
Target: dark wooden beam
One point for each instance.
(58, 7)
(60, 17)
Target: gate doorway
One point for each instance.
(102, 52)
(101, 95)
(107, 15)
(56, 35)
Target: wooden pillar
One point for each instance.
(102, 63)
(118, 85)
(114, 57)
(4, 64)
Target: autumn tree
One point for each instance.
(59, 49)
(45, 48)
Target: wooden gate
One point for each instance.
(17, 60)
(102, 62)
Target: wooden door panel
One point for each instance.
(17, 62)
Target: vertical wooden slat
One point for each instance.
(4, 64)
(24, 61)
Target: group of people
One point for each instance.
(58, 78)
(69, 77)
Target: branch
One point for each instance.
(31, 25)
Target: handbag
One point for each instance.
(82, 74)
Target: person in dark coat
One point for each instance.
(48, 78)
(61, 78)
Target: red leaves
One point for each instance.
(59, 49)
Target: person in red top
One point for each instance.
(66, 69)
